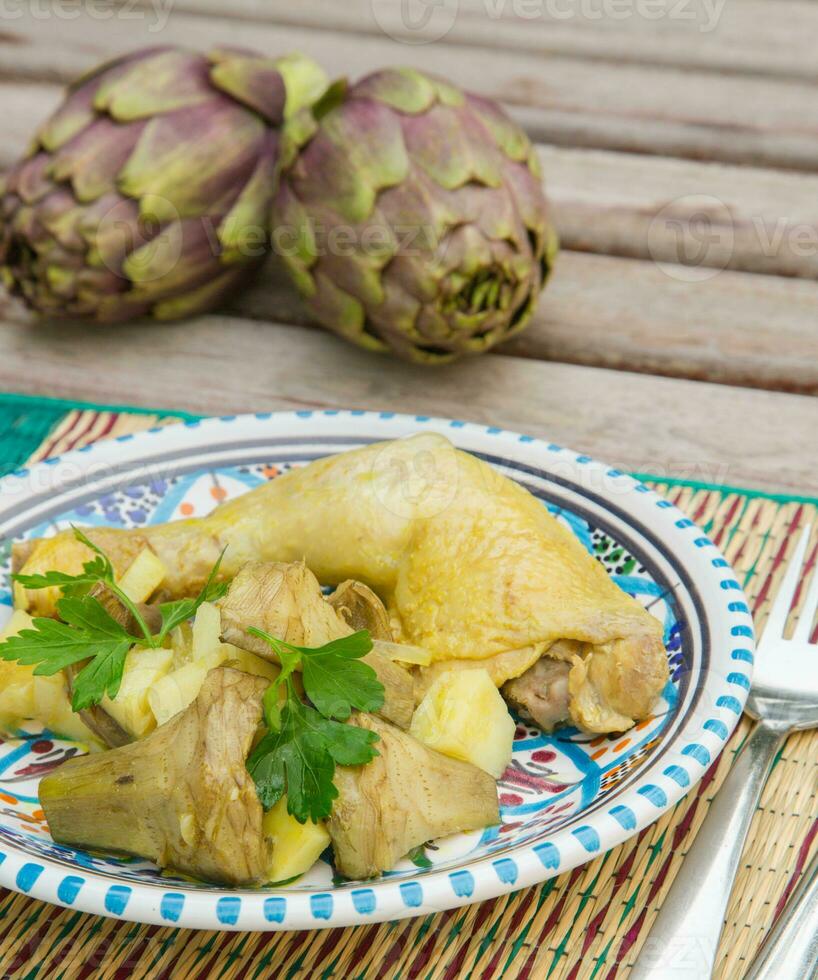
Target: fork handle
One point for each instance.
(685, 936)
(790, 952)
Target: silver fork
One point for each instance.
(784, 698)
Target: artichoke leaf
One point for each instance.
(361, 609)
(285, 600)
(407, 795)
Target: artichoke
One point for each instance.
(411, 217)
(148, 191)
(181, 797)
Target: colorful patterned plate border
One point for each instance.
(664, 558)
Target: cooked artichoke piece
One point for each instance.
(407, 795)
(182, 797)
(541, 693)
(285, 600)
(361, 609)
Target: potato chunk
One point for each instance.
(463, 716)
(26, 696)
(130, 708)
(296, 846)
(207, 628)
(173, 692)
(143, 576)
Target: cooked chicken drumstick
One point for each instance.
(471, 566)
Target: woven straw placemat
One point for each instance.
(588, 923)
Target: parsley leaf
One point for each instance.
(88, 632)
(348, 745)
(299, 753)
(101, 676)
(336, 682)
(300, 759)
(295, 760)
(60, 579)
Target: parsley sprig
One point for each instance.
(304, 742)
(87, 631)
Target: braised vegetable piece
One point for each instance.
(130, 708)
(143, 577)
(463, 716)
(26, 696)
(296, 846)
(182, 797)
(361, 609)
(407, 795)
(285, 601)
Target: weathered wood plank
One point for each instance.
(773, 37)
(604, 311)
(677, 211)
(601, 310)
(704, 215)
(223, 364)
(611, 312)
(735, 328)
(567, 100)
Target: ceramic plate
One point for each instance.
(565, 799)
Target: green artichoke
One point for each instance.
(411, 217)
(149, 189)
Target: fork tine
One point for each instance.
(781, 607)
(807, 614)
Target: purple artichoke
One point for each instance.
(411, 217)
(148, 191)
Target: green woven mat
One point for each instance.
(26, 421)
(24, 424)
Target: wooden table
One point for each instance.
(647, 126)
